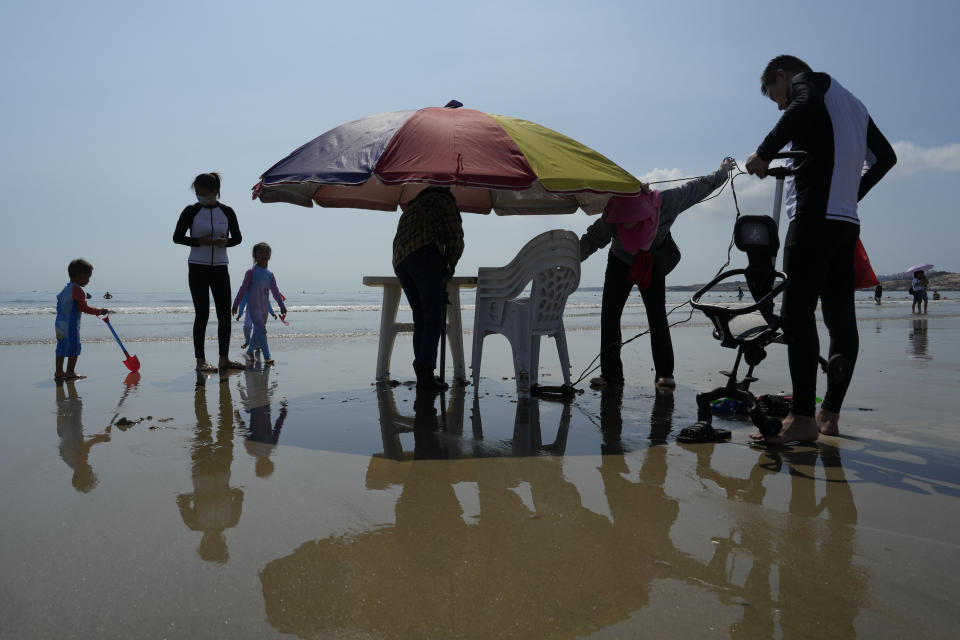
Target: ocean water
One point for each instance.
(27, 317)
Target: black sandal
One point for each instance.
(702, 432)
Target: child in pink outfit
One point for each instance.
(258, 284)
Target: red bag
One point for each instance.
(863, 275)
(640, 270)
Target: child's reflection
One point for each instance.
(214, 505)
(262, 434)
(74, 449)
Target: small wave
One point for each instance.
(175, 310)
(319, 335)
(27, 311)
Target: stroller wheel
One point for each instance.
(767, 425)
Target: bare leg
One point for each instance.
(71, 373)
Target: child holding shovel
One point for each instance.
(71, 302)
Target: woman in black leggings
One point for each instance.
(213, 227)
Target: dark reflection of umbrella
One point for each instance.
(511, 574)
(548, 566)
(491, 162)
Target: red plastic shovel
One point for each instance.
(132, 362)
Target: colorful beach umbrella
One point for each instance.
(491, 162)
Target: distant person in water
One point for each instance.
(919, 288)
(71, 302)
(107, 296)
(878, 293)
(936, 295)
(739, 293)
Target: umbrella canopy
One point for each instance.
(926, 266)
(491, 162)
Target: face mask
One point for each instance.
(206, 201)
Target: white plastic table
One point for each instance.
(389, 327)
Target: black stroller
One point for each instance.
(750, 329)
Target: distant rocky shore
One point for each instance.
(939, 280)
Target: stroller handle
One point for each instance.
(783, 172)
(731, 311)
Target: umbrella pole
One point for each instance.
(443, 332)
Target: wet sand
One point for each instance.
(303, 500)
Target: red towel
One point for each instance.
(641, 270)
(863, 277)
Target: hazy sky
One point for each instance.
(109, 109)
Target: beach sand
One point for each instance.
(302, 500)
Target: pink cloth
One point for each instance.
(637, 218)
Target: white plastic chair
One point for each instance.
(552, 262)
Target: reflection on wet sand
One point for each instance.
(74, 449)
(536, 562)
(829, 544)
(446, 427)
(803, 565)
(611, 419)
(214, 505)
(262, 434)
(918, 341)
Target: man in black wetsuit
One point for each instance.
(835, 129)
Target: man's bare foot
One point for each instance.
(796, 428)
(828, 422)
(205, 367)
(269, 362)
(73, 375)
(226, 363)
(600, 382)
(59, 375)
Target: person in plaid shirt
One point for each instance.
(426, 249)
